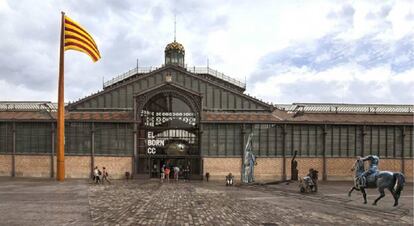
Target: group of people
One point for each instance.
(99, 177)
(166, 171)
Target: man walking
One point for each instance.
(96, 178)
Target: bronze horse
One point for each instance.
(381, 180)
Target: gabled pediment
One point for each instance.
(167, 86)
(217, 94)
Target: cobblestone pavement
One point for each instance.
(150, 202)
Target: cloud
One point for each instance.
(339, 84)
(284, 47)
(345, 15)
(343, 65)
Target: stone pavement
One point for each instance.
(199, 203)
(149, 202)
(43, 202)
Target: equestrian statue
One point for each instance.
(373, 178)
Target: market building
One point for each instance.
(200, 118)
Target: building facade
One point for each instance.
(199, 118)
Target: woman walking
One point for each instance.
(167, 173)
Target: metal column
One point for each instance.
(13, 173)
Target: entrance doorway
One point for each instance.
(189, 167)
(168, 134)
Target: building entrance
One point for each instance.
(168, 135)
(188, 167)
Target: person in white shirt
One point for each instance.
(162, 173)
(96, 177)
(176, 171)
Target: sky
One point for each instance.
(286, 51)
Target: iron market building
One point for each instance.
(200, 118)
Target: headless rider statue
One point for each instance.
(372, 169)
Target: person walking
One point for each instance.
(167, 173)
(176, 171)
(162, 173)
(105, 175)
(96, 178)
(187, 172)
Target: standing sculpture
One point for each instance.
(294, 165)
(249, 160)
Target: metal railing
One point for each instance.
(195, 70)
(27, 106)
(133, 71)
(353, 108)
(217, 74)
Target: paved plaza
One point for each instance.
(149, 202)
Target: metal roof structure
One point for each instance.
(195, 70)
(28, 106)
(316, 113)
(290, 108)
(345, 108)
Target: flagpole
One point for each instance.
(60, 176)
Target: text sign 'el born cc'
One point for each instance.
(153, 143)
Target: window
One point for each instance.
(33, 138)
(113, 139)
(78, 138)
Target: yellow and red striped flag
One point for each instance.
(77, 38)
(72, 36)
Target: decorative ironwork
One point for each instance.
(175, 46)
(195, 70)
(160, 118)
(193, 101)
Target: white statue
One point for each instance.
(249, 160)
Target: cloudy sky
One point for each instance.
(288, 51)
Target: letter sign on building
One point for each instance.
(153, 143)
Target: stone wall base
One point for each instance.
(270, 169)
(267, 169)
(75, 166)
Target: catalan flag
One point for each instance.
(72, 36)
(77, 38)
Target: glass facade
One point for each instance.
(116, 139)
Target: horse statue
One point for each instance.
(393, 181)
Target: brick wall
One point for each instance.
(33, 165)
(268, 169)
(304, 164)
(408, 171)
(218, 168)
(78, 166)
(340, 168)
(116, 166)
(393, 165)
(5, 165)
